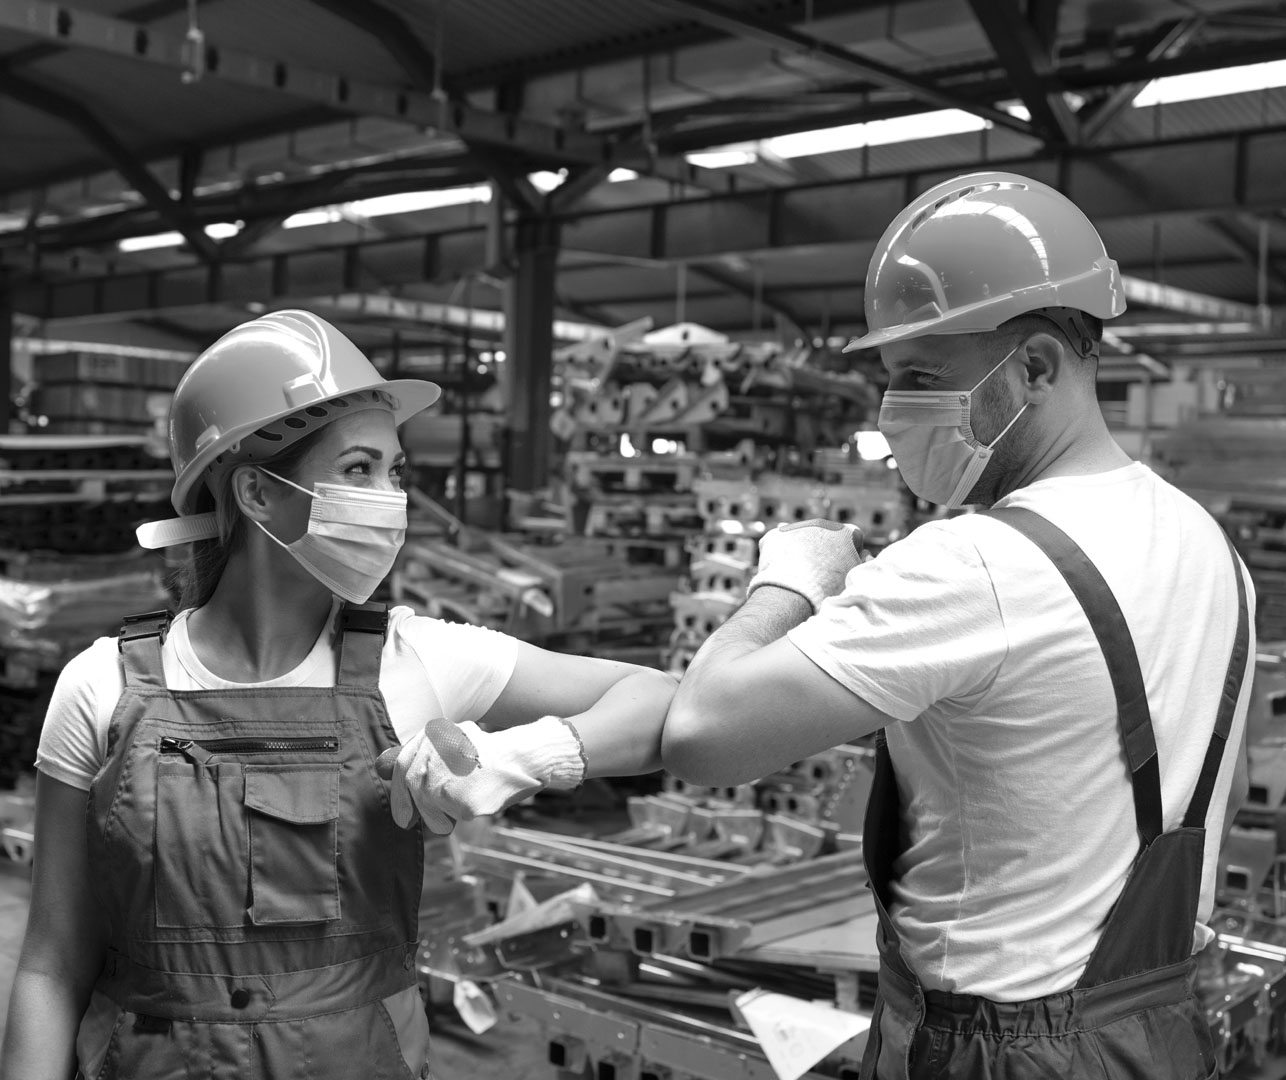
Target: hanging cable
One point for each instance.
(681, 293)
(193, 51)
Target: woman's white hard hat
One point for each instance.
(262, 386)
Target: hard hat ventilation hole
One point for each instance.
(338, 403)
(290, 421)
(317, 411)
(263, 433)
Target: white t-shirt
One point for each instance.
(429, 668)
(1017, 805)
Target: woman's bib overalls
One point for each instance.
(1132, 1013)
(261, 903)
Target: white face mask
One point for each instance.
(930, 434)
(353, 537)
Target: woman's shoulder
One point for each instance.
(439, 640)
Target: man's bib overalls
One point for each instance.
(1132, 1013)
(261, 903)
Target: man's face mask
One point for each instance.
(932, 439)
(353, 537)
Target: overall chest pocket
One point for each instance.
(240, 844)
(293, 814)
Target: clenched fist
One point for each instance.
(448, 772)
(811, 558)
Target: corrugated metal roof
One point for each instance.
(1205, 116)
(491, 33)
(149, 104)
(293, 30)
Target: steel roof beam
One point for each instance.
(538, 140)
(254, 203)
(1169, 42)
(771, 303)
(787, 39)
(71, 112)
(1198, 305)
(1248, 250)
(396, 35)
(1211, 58)
(1027, 59)
(1195, 176)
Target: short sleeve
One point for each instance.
(916, 626)
(467, 666)
(73, 740)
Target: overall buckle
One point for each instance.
(147, 625)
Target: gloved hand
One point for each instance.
(448, 771)
(811, 558)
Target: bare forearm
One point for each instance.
(621, 732)
(768, 615)
(40, 1036)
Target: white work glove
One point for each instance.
(811, 558)
(449, 772)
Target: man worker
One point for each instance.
(1059, 682)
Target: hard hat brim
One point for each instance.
(411, 396)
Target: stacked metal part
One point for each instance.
(1241, 977)
(69, 564)
(737, 510)
(578, 594)
(635, 960)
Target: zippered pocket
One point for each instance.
(202, 751)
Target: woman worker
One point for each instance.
(221, 888)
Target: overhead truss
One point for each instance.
(1196, 176)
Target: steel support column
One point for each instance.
(529, 347)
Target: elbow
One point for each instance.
(697, 746)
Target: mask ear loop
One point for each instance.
(992, 445)
(288, 483)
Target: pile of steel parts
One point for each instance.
(689, 382)
(69, 565)
(637, 961)
(575, 594)
(1241, 975)
(736, 512)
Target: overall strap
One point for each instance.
(1114, 639)
(362, 630)
(1195, 818)
(140, 641)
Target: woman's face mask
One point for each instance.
(353, 537)
(931, 435)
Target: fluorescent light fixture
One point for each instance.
(545, 181)
(411, 201)
(1207, 84)
(219, 230)
(1015, 109)
(406, 203)
(928, 125)
(326, 215)
(1185, 329)
(222, 230)
(724, 157)
(617, 175)
(147, 243)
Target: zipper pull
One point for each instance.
(194, 752)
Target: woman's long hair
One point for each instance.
(195, 580)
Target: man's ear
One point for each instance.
(1045, 361)
(251, 489)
